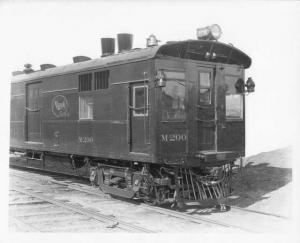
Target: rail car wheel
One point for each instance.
(178, 205)
(100, 177)
(151, 198)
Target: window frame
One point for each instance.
(176, 120)
(146, 108)
(168, 72)
(230, 80)
(241, 118)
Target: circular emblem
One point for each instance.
(60, 106)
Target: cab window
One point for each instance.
(204, 89)
(173, 97)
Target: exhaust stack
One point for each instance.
(107, 46)
(124, 42)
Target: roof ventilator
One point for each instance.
(46, 66)
(77, 59)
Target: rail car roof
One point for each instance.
(189, 49)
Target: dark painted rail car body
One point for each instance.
(106, 135)
(168, 105)
(206, 127)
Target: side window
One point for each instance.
(87, 83)
(204, 88)
(101, 80)
(85, 100)
(86, 104)
(140, 100)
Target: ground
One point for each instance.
(265, 183)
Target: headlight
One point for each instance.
(202, 33)
(250, 85)
(212, 32)
(216, 31)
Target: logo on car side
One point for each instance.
(60, 106)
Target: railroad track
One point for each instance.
(94, 219)
(260, 212)
(196, 218)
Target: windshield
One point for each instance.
(173, 101)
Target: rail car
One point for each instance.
(163, 123)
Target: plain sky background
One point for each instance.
(269, 32)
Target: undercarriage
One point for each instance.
(155, 184)
(158, 185)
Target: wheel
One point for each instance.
(150, 201)
(151, 198)
(179, 205)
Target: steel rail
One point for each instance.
(34, 169)
(259, 212)
(95, 215)
(24, 225)
(96, 193)
(165, 211)
(196, 219)
(168, 212)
